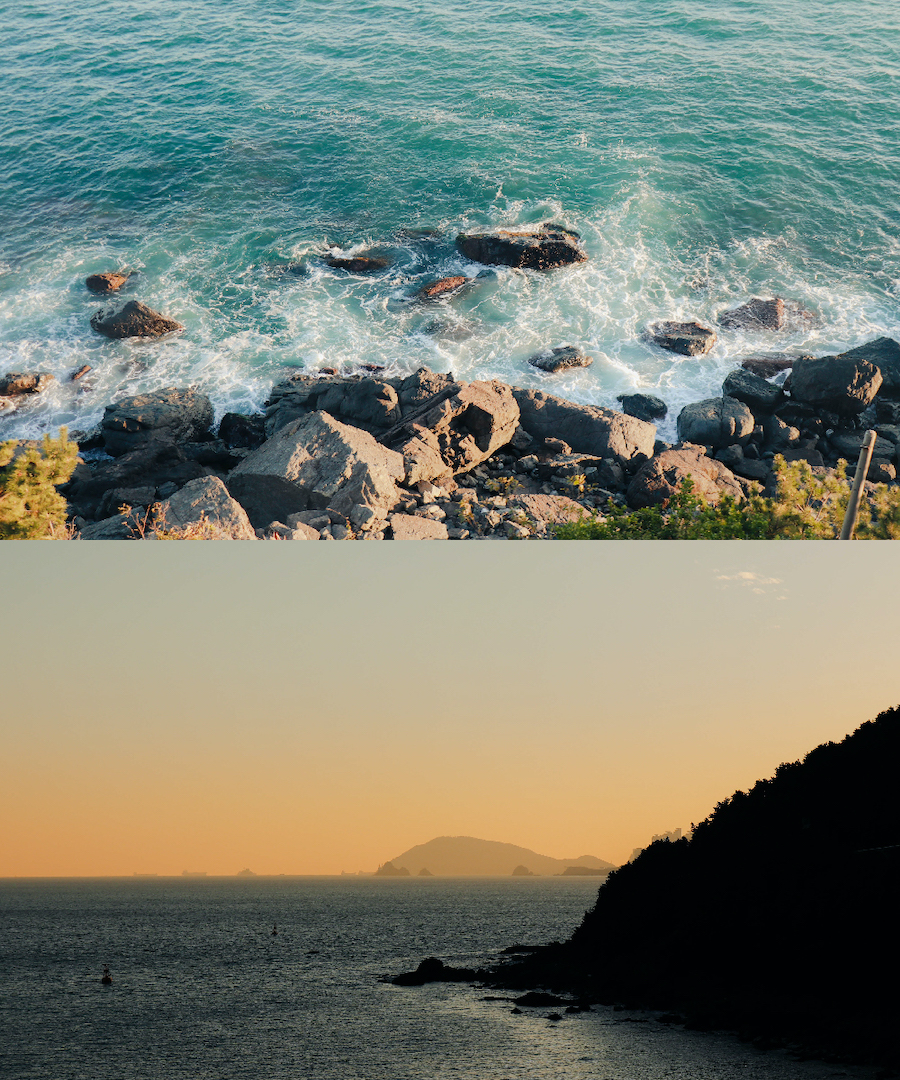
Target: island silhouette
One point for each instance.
(467, 856)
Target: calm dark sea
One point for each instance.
(203, 991)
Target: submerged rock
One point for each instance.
(358, 264)
(133, 320)
(17, 383)
(774, 314)
(443, 287)
(542, 249)
(687, 339)
(766, 365)
(560, 359)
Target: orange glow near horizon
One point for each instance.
(211, 707)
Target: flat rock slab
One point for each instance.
(546, 511)
(658, 480)
(314, 463)
(541, 249)
(774, 314)
(15, 383)
(133, 320)
(411, 527)
(106, 283)
(205, 506)
(168, 415)
(686, 339)
(588, 429)
(560, 359)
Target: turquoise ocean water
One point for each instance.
(707, 151)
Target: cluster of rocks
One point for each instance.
(429, 457)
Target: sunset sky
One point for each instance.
(308, 710)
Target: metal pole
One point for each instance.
(862, 467)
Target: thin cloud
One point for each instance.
(749, 579)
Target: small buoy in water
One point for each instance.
(275, 930)
(107, 978)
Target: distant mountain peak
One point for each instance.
(469, 856)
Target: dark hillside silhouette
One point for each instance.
(780, 916)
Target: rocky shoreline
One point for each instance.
(354, 454)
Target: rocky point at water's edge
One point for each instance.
(353, 456)
(358, 454)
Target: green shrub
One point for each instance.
(30, 506)
(807, 506)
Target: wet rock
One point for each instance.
(643, 406)
(687, 339)
(434, 970)
(588, 429)
(842, 384)
(358, 264)
(133, 320)
(768, 365)
(659, 479)
(80, 373)
(237, 430)
(314, 463)
(560, 359)
(206, 505)
(538, 998)
(16, 383)
(443, 287)
(774, 314)
(542, 249)
(164, 416)
(715, 422)
(106, 283)
(755, 392)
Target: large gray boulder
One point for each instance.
(883, 353)
(204, 506)
(460, 432)
(588, 429)
(659, 479)
(531, 249)
(164, 416)
(841, 384)
(133, 320)
(313, 463)
(716, 422)
(560, 359)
